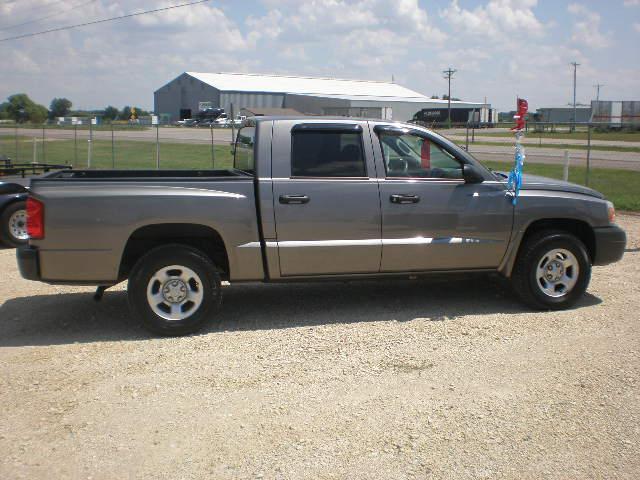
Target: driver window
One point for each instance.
(408, 155)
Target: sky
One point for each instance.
(501, 49)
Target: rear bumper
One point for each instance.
(28, 262)
(610, 244)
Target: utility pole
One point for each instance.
(598, 86)
(575, 68)
(448, 74)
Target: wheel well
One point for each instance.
(580, 229)
(6, 204)
(204, 238)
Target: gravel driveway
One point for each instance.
(404, 379)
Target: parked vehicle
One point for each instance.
(313, 198)
(223, 121)
(239, 120)
(13, 198)
(206, 123)
(13, 214)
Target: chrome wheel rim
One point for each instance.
(18, 225)
(175, 292)
(557, 272)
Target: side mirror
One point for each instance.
(471, 174)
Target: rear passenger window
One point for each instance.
(244, 155)
(327, 154)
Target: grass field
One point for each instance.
(623, 136)
(620, 186)
(103, 127)
(127, 154)
(562, 146)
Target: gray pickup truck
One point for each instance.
(313, 198)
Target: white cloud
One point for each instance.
(498, 20)
(357, 33)
(586, 28)
(120, 62)
(500, 48)
(631, 3)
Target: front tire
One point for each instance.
(552, 271)
(173, 290)
(14, 224)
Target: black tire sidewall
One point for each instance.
(162, 257)
(544, 245)
(9, 210)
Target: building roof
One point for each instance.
(436, 101)
(248, 82)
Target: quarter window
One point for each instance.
(408, 155)
(327, 154)
(244, 154)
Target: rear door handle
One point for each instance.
(294, 199)
(398, 198)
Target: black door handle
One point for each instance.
(294, 199)
(404, 198)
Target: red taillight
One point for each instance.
(35, 219)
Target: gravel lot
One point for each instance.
(405, 379)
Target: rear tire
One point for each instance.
(552, 271)
(13, 228)
(174, 289)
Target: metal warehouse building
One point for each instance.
(191, 92)
(564, 114)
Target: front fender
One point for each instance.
(553, 206)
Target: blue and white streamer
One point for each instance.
(515, 175)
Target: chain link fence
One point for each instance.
(118, 146)
(590, 154)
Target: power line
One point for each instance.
(46, 17)
(101, 21)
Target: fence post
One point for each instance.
(157, 147)
(44, 157)
(75, 144)
(35, 150)
(467, 140)
(588, 154)
(233, 124)
(565, 171)
(16, 139)
(213, 153)
(113, 149)
(89, 143)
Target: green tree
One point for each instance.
(125, 113)
(21, 109)
(59, 107)
(110, 113)
(141, 113)
(4, 114)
